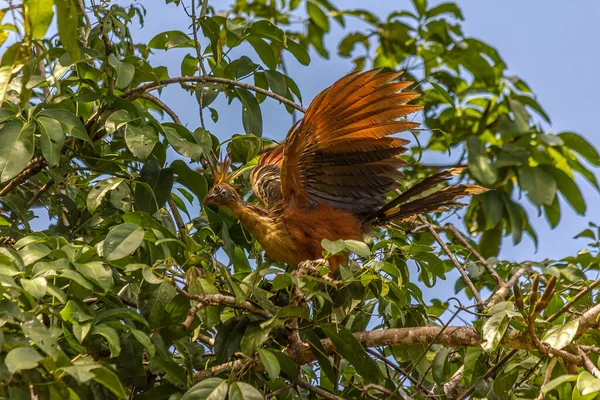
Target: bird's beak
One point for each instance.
(209, 199)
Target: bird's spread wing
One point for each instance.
(341, 152)
(265, 178)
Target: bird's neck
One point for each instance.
(253, 217)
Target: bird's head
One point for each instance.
(222, 194)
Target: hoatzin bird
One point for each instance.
(329, 179)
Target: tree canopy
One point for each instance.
(134, 290)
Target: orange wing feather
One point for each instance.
(341, 152)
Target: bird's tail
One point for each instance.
(413, 202)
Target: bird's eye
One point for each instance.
(217, 189)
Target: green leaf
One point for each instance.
(154, 193)
(520, 114)
(350, 41)
(111, 336)
(554, 383)
(351, 349)
(479, 166)
(110, 380)
(444, 8)
(333, 247)
(587, 383)
(36, 287)
(578, 144)
(228, 338)
(514, 218)
(81, 370)
(144, 340)
(170, 39)
(52, 138)
(153, 300)
(191, 179)
(68, 26)
(120, 313)
(122, 240)
(560, 336)
(74, 313)
(117, 120)
(124, 71)
(99, 191)
(361, 249)
(184, 143)
(44, 338)
(440, 366)
(298, 51)
(540, 185)
(251, 114)
(243, 148)
(141, 141)
(264, 50)
(420, 6)
(38, 16)
(568, 188)
(22, 358)
(16, 148)
(267, 30)
(277, 82)
(97, 272)
(493, 208)
(317, 16)
(494, 329)
(270, 362)
(243, 391)
(208, 389)
(70, 123)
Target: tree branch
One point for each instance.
(578, 297)
(467, 245)
(178, 220)
(31, 169)
(213, 300)
(458, 266)
(160, 104)
(321, 392)
(155, 85)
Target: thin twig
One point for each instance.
(383, 390)
(588, 364)
(202, 79)
(160, 104)
(200, 62)
(489, 373)
(578, 297)
(459, 236)
(40, 192)
(458, 266)
(178, 220)
(547, 375)
(34, 166)
(216, 299)
(321, 392)
(279, 391)
(88, 23)
(503, 291)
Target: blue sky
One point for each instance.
(551, 44)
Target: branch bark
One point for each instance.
(203, 79)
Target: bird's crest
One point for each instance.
(219, 168)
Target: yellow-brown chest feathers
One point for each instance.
(293, 235)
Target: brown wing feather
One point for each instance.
(341, 152)
(266, 177)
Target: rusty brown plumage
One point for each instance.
(331, 177)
